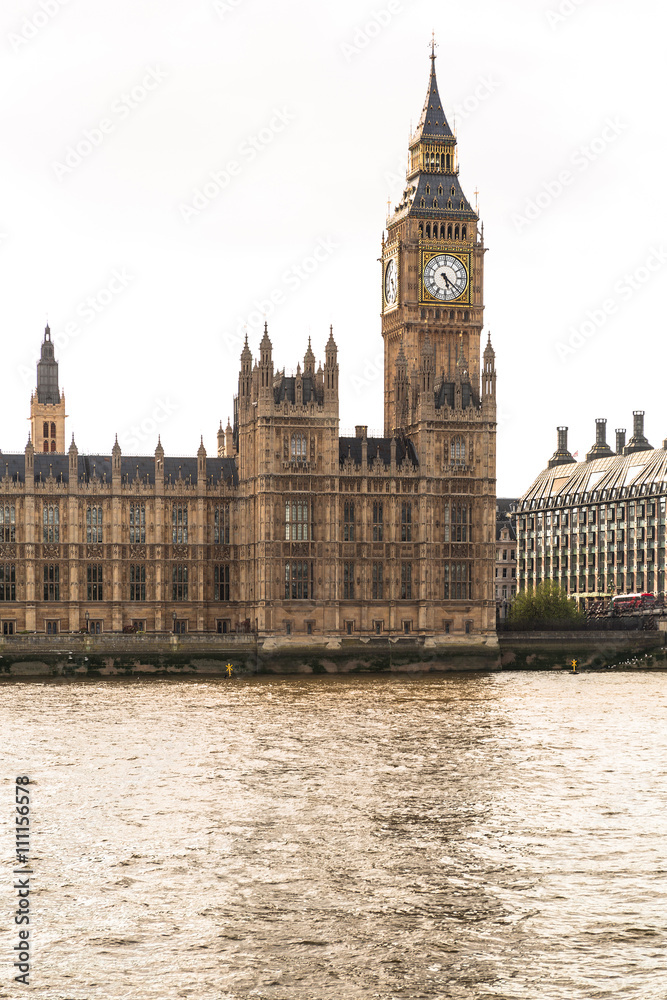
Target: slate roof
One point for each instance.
(433, 121)
(286, 389)
(601, 479)
(376, 448)
(433, 182)
(219, 469)
(445, 394)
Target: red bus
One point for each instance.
(624, 604)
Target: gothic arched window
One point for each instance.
(298, 448)
(458, 451)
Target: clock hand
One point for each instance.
(447, 281)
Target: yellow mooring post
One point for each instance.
(230, 669)
(574, 666)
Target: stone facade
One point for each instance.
(292, 530)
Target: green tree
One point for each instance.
(547, 604)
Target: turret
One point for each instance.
(489, 372)
(401, 392)
(159, 462)
(29, 461)
(116, 463)
(309, 361)
(221, 441)
(201, 463)
(73, 462)
(331, 368)
(265, 363)
(245, 378)
(47, 404)
(229, 440)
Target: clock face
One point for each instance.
(391, 282)
(445, 277)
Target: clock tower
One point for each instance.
(432, 262)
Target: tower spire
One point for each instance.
(433, 121)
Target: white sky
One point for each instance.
(535, 82)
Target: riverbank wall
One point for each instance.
(166, 654)
(112, 654)
(556, 650)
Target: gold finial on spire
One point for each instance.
(477, 200)
(434, 45)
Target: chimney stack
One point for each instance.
(637, 442)
(600, 449)
(561, 456)
(620, 440)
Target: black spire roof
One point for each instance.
(433, 121)
(47, 372)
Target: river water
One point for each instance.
(479, 836)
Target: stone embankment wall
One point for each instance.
(556, 650)
(166, 654)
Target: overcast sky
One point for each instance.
(172, 171)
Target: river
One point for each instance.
(429, 836)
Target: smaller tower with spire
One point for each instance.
(47, 403)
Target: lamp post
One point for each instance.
(173, 618)
(87, 621)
